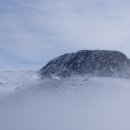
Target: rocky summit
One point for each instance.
(92, 62)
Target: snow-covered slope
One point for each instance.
(76, 103)
(12, 80)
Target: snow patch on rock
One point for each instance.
(102, 63)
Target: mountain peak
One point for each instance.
(94, 62)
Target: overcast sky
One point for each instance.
(34, 31)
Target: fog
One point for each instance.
(78, 103)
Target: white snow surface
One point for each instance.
(76, 103)
(12, 80)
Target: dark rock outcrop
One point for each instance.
(94, 62)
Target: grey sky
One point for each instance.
(34, 31)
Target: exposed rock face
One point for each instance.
(97, 62)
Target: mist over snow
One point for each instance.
(73, 103)
(32, 32)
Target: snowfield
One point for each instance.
(11, 81)
(76, 103)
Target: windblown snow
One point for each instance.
(76, 103)
(13, 80)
